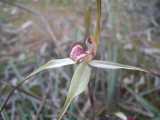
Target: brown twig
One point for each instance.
(11, 93)
(23, 91)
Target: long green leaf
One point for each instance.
(78, 84)
(55, 63)
(113, 65)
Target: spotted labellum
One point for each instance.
(78, 53)
(86, 52)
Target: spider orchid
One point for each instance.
(83, 55)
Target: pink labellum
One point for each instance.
(77, 53)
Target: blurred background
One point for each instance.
(35, 31)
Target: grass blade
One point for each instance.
(146, 104)
(78, 84)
